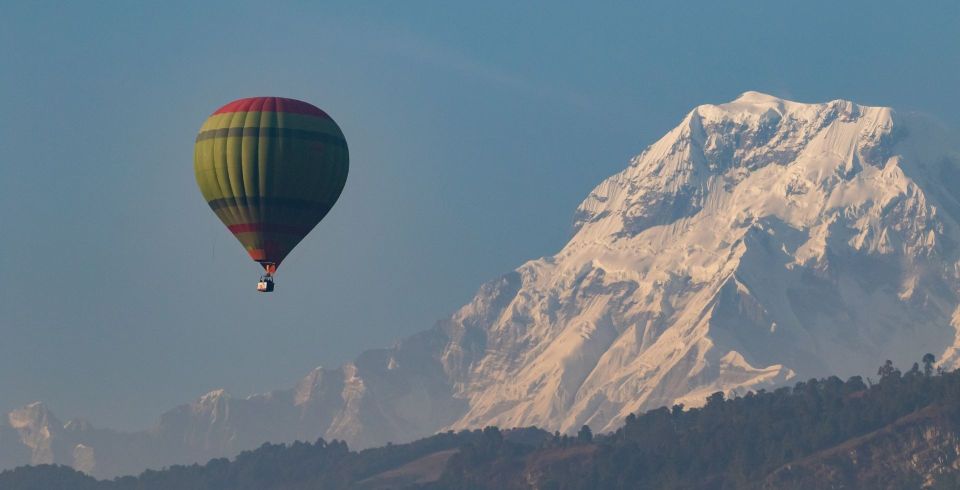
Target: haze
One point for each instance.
(473, 132)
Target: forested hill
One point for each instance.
(899, 431)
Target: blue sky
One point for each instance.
(474, 131)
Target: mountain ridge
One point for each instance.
(898, 432)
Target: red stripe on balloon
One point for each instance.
(268, 228)
(272, 104)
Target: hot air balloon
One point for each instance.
(271, 169)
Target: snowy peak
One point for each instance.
(211, 400)
(37, 428)
(764, 109)
(34, 417)
(755, 98)
(758, 105)
(720, 145)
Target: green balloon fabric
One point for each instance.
(271, 169)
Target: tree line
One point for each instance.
(729, 442)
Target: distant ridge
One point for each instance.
(901, 432)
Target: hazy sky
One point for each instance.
(474, 132)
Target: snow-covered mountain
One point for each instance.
(759, 242)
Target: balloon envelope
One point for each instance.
(271, 169)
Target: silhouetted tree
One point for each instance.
(585, 434)
(886, 370)
(928, 361)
